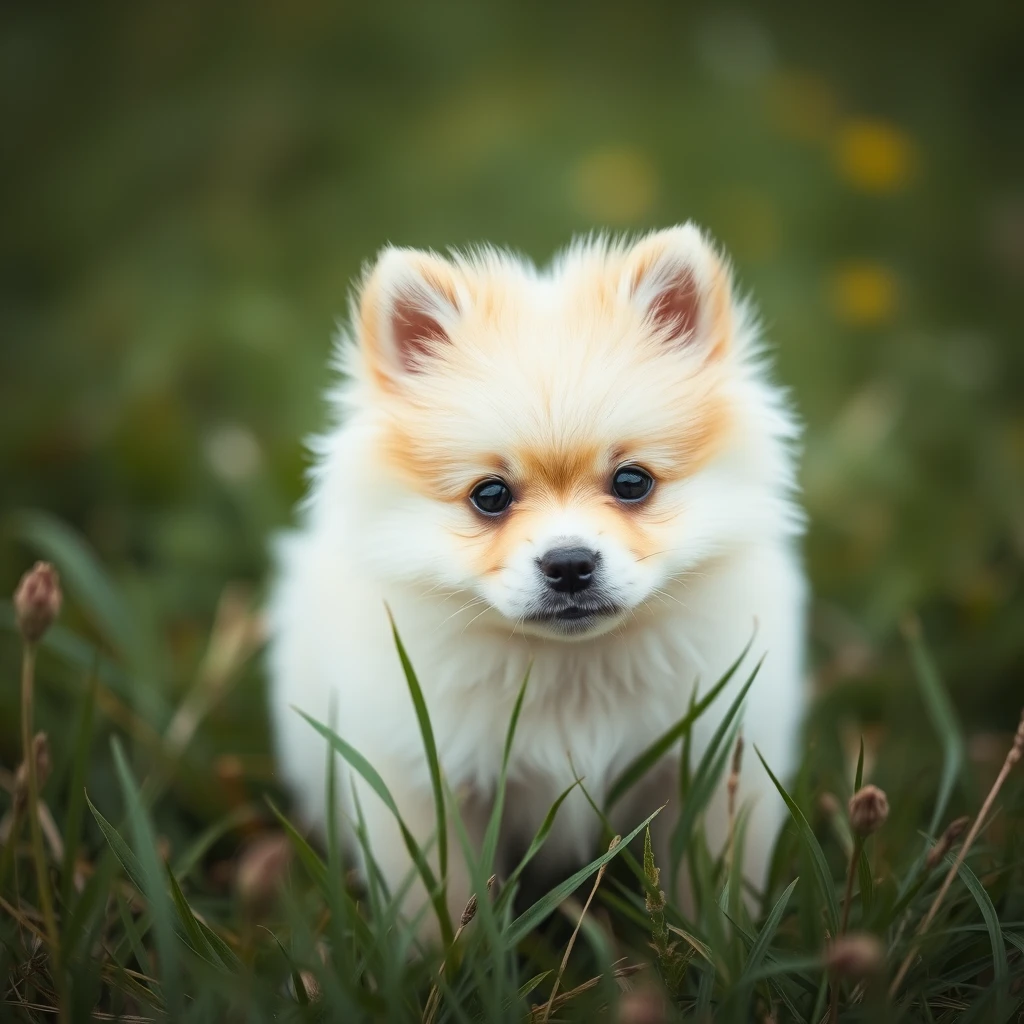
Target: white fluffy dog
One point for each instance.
(584, 469)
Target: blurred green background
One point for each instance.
(187, 190)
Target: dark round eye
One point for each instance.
(491, 497)
(631, 483)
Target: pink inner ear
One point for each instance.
(677, 308)
(416, 333)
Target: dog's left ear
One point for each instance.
(408, 308)
(682, 288)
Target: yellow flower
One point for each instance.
(863, 294)
(615, 185)
(874, 156)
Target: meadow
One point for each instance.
(188, 198)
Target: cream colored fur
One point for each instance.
(551, 378)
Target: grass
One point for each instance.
(245, 919)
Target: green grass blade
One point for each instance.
(765, 936)
(429, 746)
(373, 779)
(643, 762)
(311, 861)
(705, 780)
(858, 780)
(940, 710)
(122, 851)
(527, 987)
(193, 934)
(490, 843)
(154, 884)
(686, 754)
(1000, 969)
(86, 912)
(705, 989)
(76, 792)
(774, 967)
(220, 947)
(301, 995)
(547, 904)
(134, 938)
(736, 907)
(490, 983)
(535, 844)
(822, 875)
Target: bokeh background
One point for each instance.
(187, 190)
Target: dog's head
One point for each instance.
(552, 451)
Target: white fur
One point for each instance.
(595, 701)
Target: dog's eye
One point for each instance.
(631, 483)
(491, 497)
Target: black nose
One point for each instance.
(568, 570)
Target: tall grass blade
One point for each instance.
(706, 778)
(429, 746)
(373, 779)
(940, 710)
(1000, 967)
(765, 936)
(490, 843)
(194, 935)
(76, 792)
(822, 874)
(547, 904)
(154, 886)
(311, 861)
(122, 851)
(643, 762)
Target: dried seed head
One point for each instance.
(1017, 750)
(470, 912)
(37, 601)
(737, 756)
(855, 955)
(44, 765)
(869, 807)
(954, 830)
(261, 871)
(733, 782)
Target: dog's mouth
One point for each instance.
(574, 618)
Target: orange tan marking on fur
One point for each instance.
(689, 446)
(562, 471)
(425, 468)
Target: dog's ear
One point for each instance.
(408, 308)
(682, 288)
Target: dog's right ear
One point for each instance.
(408, 309)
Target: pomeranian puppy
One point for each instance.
(584, 470)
